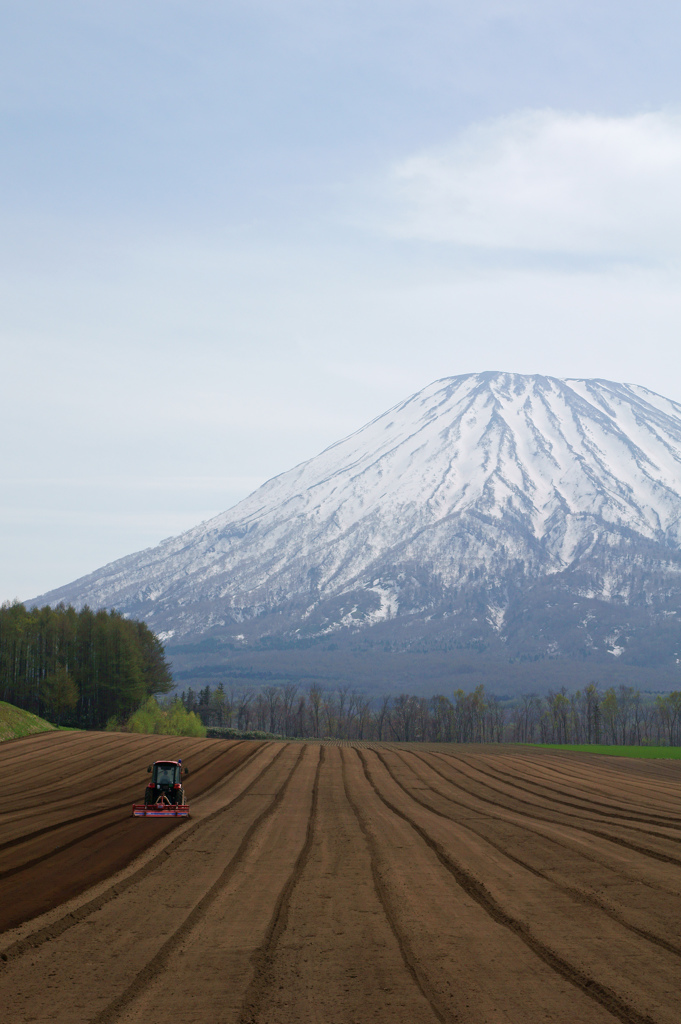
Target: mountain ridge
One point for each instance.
(445, 509)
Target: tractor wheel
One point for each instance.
(180, 796)
(149, 797)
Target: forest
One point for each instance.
(618, 715)
(78, 668)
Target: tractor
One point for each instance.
(164, 796)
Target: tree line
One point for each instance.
(617, 715)
(85, 668)
(78, 668)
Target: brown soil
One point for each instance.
(66, 809)
(339, 883)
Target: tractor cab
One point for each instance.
(166, 782)
(165, 774)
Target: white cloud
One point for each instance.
(546, 181)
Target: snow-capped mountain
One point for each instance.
(468, 507)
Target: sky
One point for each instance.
(235, 231)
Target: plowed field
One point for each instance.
(338, 883)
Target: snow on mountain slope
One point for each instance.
(481, 478)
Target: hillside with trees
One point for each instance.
(78, 668)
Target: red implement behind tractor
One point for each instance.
(164, 795)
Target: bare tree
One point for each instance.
(383, 716)
(288, 703)
(272, 695)
(315, 694)
(244, 709)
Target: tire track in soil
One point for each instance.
(67, 756)
(187, 830)
(584, 780)
(631, 820)
(80, 838)
(599, 993)
(263, 956)
(593, 808)
(581, 895)
(78, 763)
(547, 821)
(585, 798)
(55, 871)
(103, 786)
(36, 833)
(646, 851)
(408, 956)
(595, 778)
(572, 765)
(148, 974)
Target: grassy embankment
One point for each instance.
(602, 748)
(15, 723)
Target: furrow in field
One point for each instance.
(665, 772)
(225, 949)
(556, 863)
(481, 790)
(569, 830)
(387, 883)
(594, 797)
(597, 777)
(210, 806)
(520, 907)
(320, 946)
(600, 791)
(637, 780)
(38, 833)
(72, 759)
(99, 797)
(654, 873)
(154, 969)
(592, 812)
(107, 821)
(134, 935)
(263, 956)
(409, 958)
(480, 969)
(66, 859)
(18, 817)
(11, 751)
(105, 778)
(35, 773)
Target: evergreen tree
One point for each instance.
(79, 668)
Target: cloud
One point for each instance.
(549, 182)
